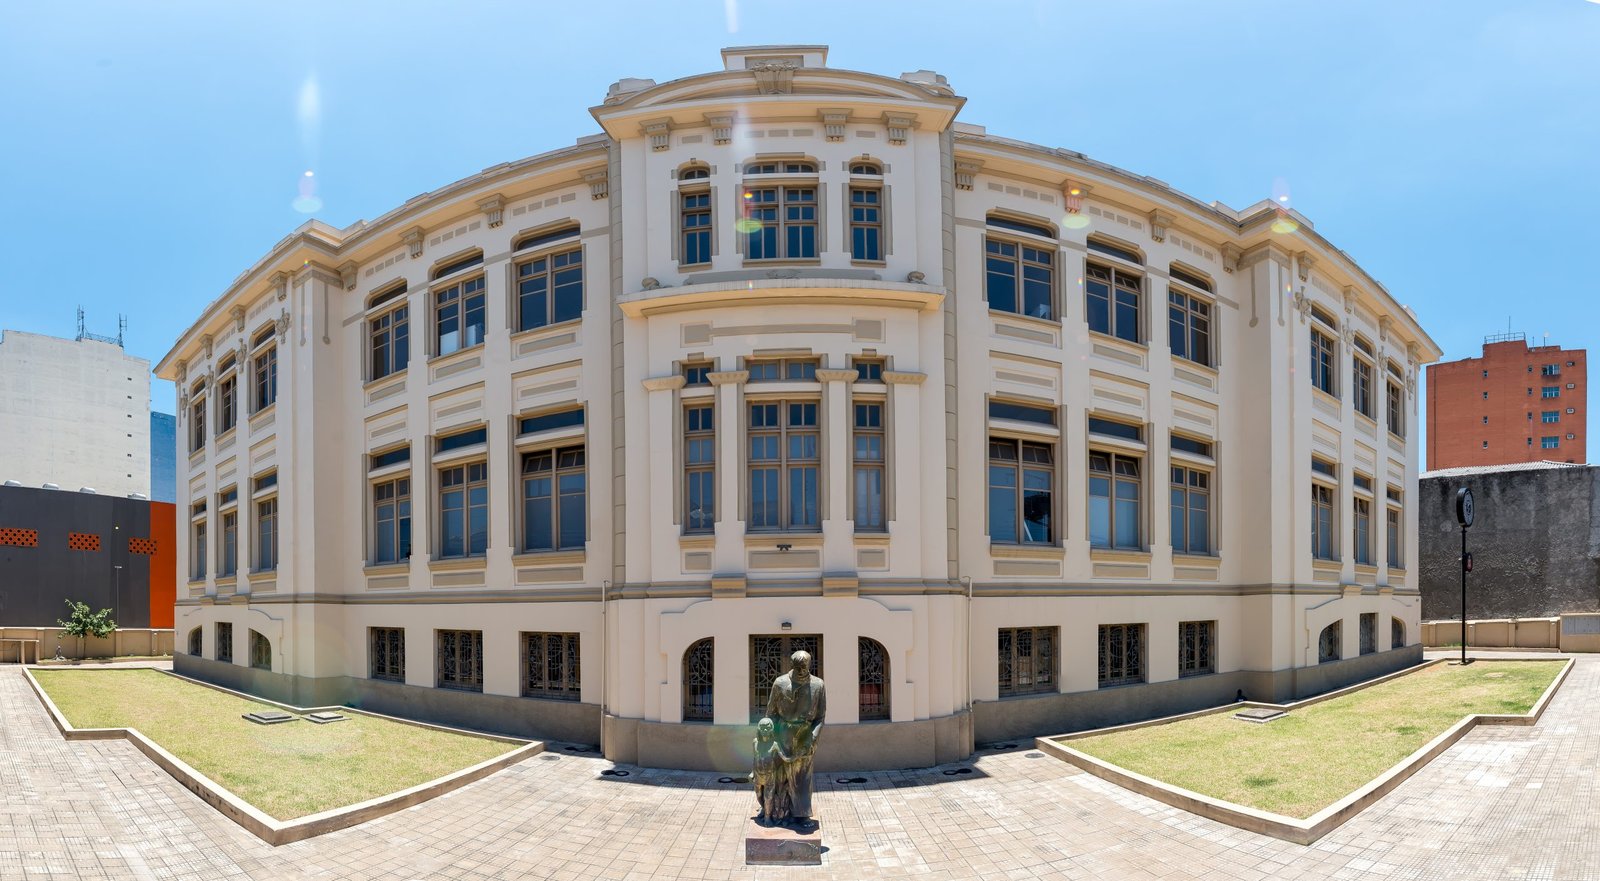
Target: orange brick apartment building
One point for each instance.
(1513, 404)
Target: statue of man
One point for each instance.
(796, 706)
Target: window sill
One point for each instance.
(226, 436)
(1326, 564)
(697, 540)
(1397, 570)
(261, 414)
(1027, 552)
(262, 575)
(537, 558)
(1366, 422)
(1187, 364)
(383, 381)
(876, 264)
(1398, 437)
(1326, 397)
(1131, 347)
(1107, 686)
(780, 262)
(1195, 674)
(544, 330)
(1020, 695)
(798, 539)
(400, 568)
(458, 564)
(458, 355)
(1118, 555)
(874, 538)
(227, 581)
(1196, 559)
(1052, 323)
(1366, 569)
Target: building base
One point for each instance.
(782, 845)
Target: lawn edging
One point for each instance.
(270, 829)
(1333, 816)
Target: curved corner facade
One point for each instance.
(583, 446)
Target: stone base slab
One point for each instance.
(782, 845)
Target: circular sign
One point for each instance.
(1464, 507)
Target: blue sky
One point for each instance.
(150, 152)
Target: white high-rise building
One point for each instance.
(1014, 441)
(75, 413)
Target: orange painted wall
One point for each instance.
(163, 563)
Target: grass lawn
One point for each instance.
(1303, 762)
(288, 770)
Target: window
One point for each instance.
(1189, 326)
(550, 666)
(1362, 481)
(699, 468)
(390, 457)
(697, 172)
(464, 510)
(866, 224)
(1115, 490)
(1330, 643)
(1027, 660)
(1022, 478)
(549, 237)
(1324, 360)
(1486, 396)
(1368, 625)
(1362, 387)
(699, 681)
(461, 440)
(386, 653)
(265, 391)
(266, 535)
(780, 223)
(458, 316)
(1112, 301)
(869, 369)
(461, 659)
(1196, 647)
(868, 462)
(1397, 410)
(229, 552)
(1190, 445)
(865, 169)
(1323, 544)
(550, 421)
(225, 642)
(194, 643)
(389, 338)
(260, 651)
(1022, 413)
(1550, 370)
(197, 420)
(1112, 428)
(1324, 467)
(1397, 633)
(1121, 654)
(1550, 416)
(698, 373)
(769, 659)
(784, 369)
(391, 518)
(1395, 533)
(1191, 511)
(549, 289)
(1363, 527)
(456, 266)
(694, 226)
(785, 462)
(197, 545)
(1019, 278)
(1550, 442)
(872, 674)
(554, 499)
(227, 403)
(781, 168)
(1550, 391)
(1032, 229)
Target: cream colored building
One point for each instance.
(1015, 441)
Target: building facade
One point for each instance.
(1515, 403)
(1011, 440)
(74, 413)
(163, 457)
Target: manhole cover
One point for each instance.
(1259, 714)
(268, 717)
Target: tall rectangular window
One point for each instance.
(554, 499)
(1115, 491)
(868, 462)
(1027, 660)
(1396, 535)
(225, 642)
(1324, 545)
(1197, 648)
(699, 468)
(229, 562)
(1361, 387)
(1368, 632)
(1324, 363)
(1363, 529)
(866, 224)
(550, 666)
(694, 219)
(1191, 510)
(1189, 327)
(266, 535)
(1397, 410)
(464, 510)
(389, 341)
(550, 289)
(460, 659)
(785, 465)
(197, 542)
(391, 518)
(265, 391)
(1112, 298)
(227, 403)
(1019, 278)
(1121, 654)
(458, 316)
(1022, 476)
(386, 653)
(781, 223)
(197, 424)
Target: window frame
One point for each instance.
(549, 255)
(197, 417)
(389, 328)
(462, 303)
(197, 541)
(1396, 408)
(785, 464)
(1180, 298)
(1324, 362)
(1361, 386)
(695, 471)
(467, 484)
(223, 650)
(228, 400)
(698, 677)
(1117, 457)
(878, 207)
(873, 707)
(700, 190)
(1325, 483)
(1330, 642)
(389, 664)
(473, 654)
(1021, 243)
(1010, 655)
(868, 465)
(536, 643)
(557, 497)
(1019, 466)
(785, 185)
(1361, 529)
(401, 499)
(1188, 472)
(260, 645)
(1395, 526)
(264, 550)
(1197, 642)
(1115, 675)
(263, 377)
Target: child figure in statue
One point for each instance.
(769, 776)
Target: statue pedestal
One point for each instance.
(782, 845)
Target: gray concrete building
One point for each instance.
(1535, 541)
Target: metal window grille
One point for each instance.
(461, 659)
(769, 659)
(225, 642)
(387, 653)
(550, 666)
(1121, 654)
(1196, 648)
(873, 676)
(1369, 632)
(1331, 643)
(260, 651)
(1027, 659)
(194, 643)
(1397, 633)
(699, 681)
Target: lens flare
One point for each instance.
(1285, 225)
(1074, 221)
(747, 225)
(730, 11)
(308, 116)
(1280, 191)
(307, 202)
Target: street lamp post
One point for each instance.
(1464, 516)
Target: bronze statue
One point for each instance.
(795, 712)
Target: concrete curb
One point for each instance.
(269, 829)
(1333, 816)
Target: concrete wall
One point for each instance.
(122, 642)
(1535, 544)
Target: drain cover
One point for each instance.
(1259, 714)
(268, 717)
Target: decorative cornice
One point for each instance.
(726, 377)
(664, 383)
(280, 284)
(774, 77)
(1350, 297)
(1159, 223)
(237, 314)
(1230, 256)
(183, 369)
(205, 343)
(659, 131)
(494, 209)
(834, 375)
(348, 274)
(413, 239)
(1385, 326)
(721, 127)
(966, 170)
(1263, 251)
(1306, 262)
(599, 181)
(1073, 192)
(899, 126)
(900, 377)
(834, 122)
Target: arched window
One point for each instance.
(865, 167)
(194, 642)
(699, 679)
(694, 172)
(1330, 643)
(260, 651)
(1397, 633)
(873, 677)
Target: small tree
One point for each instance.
(81, 622)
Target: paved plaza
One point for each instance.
(1504, 803)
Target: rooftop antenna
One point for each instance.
(122, 330)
